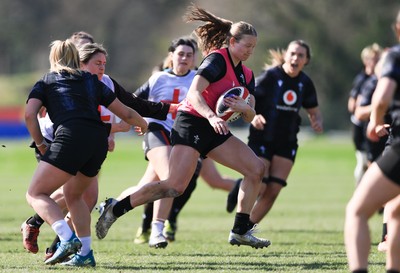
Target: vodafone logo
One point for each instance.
(290, 97)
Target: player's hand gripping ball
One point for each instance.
(224, 111)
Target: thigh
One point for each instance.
(280, 167)
(235, 154)
(208, 170)
(374, 190)
(148, 176)
(156, 136)
(79, 183)
(47, 178)
(159, 159)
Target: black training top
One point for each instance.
(145, 108)
(391, 69)
(279, 98)
(367, 90)
(72, 96)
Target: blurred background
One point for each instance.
(137, 35)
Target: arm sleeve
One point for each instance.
(145, 108)
(390, 66)
(212, 68)
(310, 98)
(143, 91)
(37, 91)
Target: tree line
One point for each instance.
(137, 35)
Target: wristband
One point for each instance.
(44, 142)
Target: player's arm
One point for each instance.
(238, 104)
(381, 100)
(195, 98)
(249, 112)
(31, 119)
(199, 84)
(157, 110)
(315, 117)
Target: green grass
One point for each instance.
(305, 225)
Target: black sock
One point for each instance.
(241, 225)
(35, 221)
(53, 246)
(122, 207)
(147, 216)
(384, 232)
(251, 224)
(360, 271)
(392, 271)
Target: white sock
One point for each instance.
(62, 229)
(86, 245)
(157, 227)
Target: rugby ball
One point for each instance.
(221, 109)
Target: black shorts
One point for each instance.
(79, 145)
(197, 133)
(359, 138)
(155, 136)
(389, 162)
(375, 149)
(267, 149)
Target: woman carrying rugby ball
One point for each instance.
(199, 131)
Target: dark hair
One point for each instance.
(277, 56)
(79, 35)
(87, 51)
(302, 44)
(216, 32)
(183, 41)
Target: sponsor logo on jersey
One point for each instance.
(290, 97)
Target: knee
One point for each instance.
(177, 190)
(172, 190)
(258, 170)
(29, 198)
(353, 211)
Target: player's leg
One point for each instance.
(361, 165)
(213, 178)
(159, 159)
(90, 196)
(235, 154)
(393, 238)
(143, 232)
(373, 191)
(279, 169)
(183, 162)
(80, 243)
(46, 180)
(179, 202)
(30, 228)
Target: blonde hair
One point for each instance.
(371, 51)
(216, 32)
(64, 57)
(276, 58)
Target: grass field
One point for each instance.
(305, 225)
